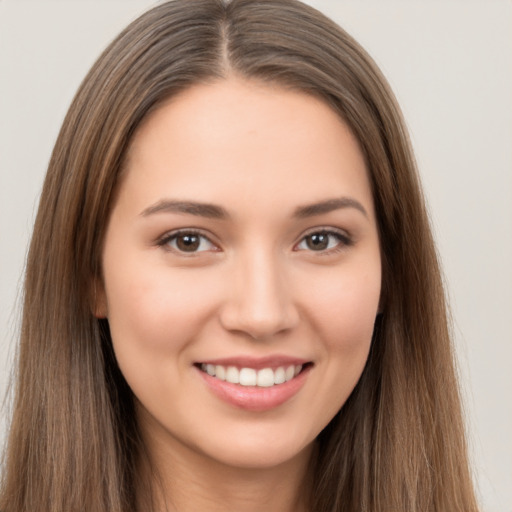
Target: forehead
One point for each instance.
(237, 141)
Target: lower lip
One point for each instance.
(255, 398)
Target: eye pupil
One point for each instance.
(317, 241)
(188, 243)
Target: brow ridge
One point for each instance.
(199, 209)
(213, 211)
(327, 206)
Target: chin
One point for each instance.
(258, 451)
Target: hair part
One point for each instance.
(397, 443)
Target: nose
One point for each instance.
(260, 301)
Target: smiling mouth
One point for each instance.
(264, 377)
(255, 385)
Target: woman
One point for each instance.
(232, 297)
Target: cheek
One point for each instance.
(150, 312)
(156, 312)
(343, 317)
(153, 319)
(345, 313)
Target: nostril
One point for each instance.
(258, 324)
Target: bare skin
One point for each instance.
(242, 247)
(208, 485)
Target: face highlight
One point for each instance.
(242, 272)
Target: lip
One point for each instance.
(257, 363)
(255, 398)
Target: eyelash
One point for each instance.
(167, 239)
(343, 241)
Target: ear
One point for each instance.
(99, 304)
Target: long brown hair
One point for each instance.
(398, 442)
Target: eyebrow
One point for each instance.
(213, 211)
(208, 210)
(330, 205)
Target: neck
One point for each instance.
(183, 480)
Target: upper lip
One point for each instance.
(273, 361)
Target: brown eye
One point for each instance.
(187, 242)
(317, 241)
(320, 241)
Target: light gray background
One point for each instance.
(450, 64)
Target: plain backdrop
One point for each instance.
(450, 65)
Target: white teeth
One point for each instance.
(232, 375)
(265, 378)
(279, 376)
(289, 373)
(220, 372)
(247, 377)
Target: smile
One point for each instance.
(255, 384)
(264, 377)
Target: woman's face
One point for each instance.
(242, 247)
